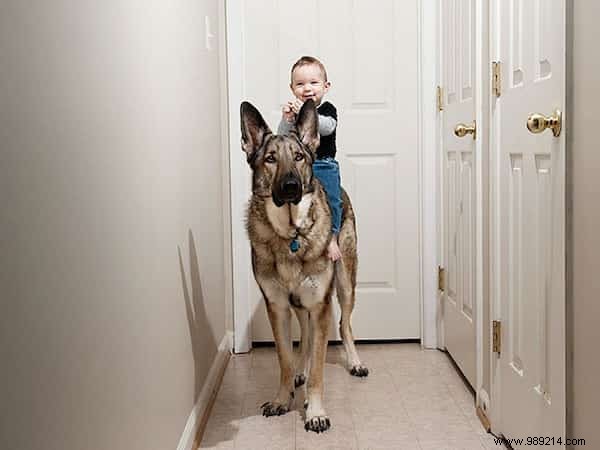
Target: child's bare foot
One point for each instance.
(333, 250)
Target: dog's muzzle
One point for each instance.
(289, 190)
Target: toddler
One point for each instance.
(309, 80)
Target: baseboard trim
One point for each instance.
(194, 428)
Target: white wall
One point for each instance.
(112, 261)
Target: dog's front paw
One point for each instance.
(273, 409)
(318, 424)
(299, 380)
(359, 371)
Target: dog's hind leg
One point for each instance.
(346, 296)
(280, 318)
(303, 355)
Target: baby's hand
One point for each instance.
(296, 104)
(288, 114)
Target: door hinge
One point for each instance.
(441, 278)
(497, 336)
(440, 98)
(496, 78)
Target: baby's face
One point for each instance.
(309, 82)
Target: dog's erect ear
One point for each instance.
(254, 129)
(308, 125)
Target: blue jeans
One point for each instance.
(327, 172)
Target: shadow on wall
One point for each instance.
(204, 347)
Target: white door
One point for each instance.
(370, 51)
(457, 18)
(530, 219)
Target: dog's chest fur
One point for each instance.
(272, 229)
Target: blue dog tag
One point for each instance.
(294, 245)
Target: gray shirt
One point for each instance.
(326, 126)
(327, 117)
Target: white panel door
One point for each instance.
(370, 52)
(459, 182)
(530, 186)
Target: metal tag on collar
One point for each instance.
(295, 244)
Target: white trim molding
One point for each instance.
(240, 178)
(225, 170)
(494, 229)
(428, 124)
(482, 119)
(210, 388)
(439, 173)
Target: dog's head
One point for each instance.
(281, 165)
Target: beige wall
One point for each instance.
(112, 274)
(584, 227)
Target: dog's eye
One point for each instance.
(299, 157)
(270, 159)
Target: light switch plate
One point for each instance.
(208, 34)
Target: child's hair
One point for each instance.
(305, 61)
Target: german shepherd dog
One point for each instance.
(289, 225)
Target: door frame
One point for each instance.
(494, 291)
(482, 117)
(239, 174)
(494, 297)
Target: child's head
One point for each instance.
(309, 79)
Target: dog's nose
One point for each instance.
(290, 187)
(287, 190)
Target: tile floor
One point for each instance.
(413, 399)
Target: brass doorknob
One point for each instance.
(536, 123)
(462, 130)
